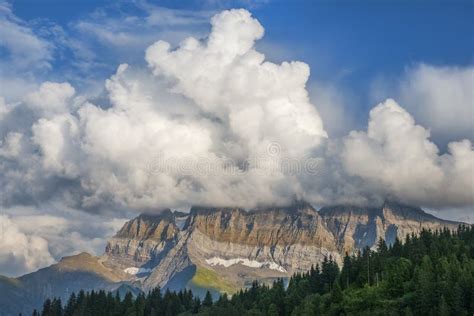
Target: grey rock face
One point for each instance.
(285, 240)
(357, 227)
(273, 242)
(264, 244)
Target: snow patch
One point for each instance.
(135, 271)
(214, 261)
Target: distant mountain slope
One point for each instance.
(71, 274)
(220, 249)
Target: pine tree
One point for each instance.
(345, 278)
(56, 307)
(425, 287)
(336, 294)
(196, 307)
(273, 310)
(207, 302)
(127, 304)
(47, 308)
(140, 304)
(71, 305)
(443, 308)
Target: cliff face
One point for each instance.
(239, 246)
(267, 227)
(355, 227)
(260, 244)
(143, 241)
(234, 244)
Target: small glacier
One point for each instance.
(135, 271)
(245, 262)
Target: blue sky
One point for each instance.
(349, 45)
(365, 37)
(352, 41)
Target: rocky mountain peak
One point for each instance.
(150, 226)
(297, 223)
(357, 227)
(142, 240)
(403, 211)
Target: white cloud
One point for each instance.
(3, 108)
(396, 155)
(228, 79)
(24, 48)
(10, 147)
(19, 252)
(188, 130)
(24, 53)
(51, 98)
(33, 238)
(127, 35)
(441, 98)
(210, 122)
(57, 138)
(209, 102)
(68, 232)
(205, 110)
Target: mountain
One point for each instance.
(70, 274)
(358, 227)
(217, 249)
(223, 249)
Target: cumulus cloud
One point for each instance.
(213, 122)
(3, 108)
(31, 240)
(19, 252)
(441, 98)
(228, 105)
(51, 98)
(198, 128)
(228, 79)
(210, 121)
(397, 155)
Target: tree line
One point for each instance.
(428, 274)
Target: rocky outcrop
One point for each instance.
(259, 244)
(142, 243)
(240, 246)
(358, 227)
(270, 227)
(293, 238)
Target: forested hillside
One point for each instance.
(429, 274)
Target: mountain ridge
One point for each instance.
(229, 247)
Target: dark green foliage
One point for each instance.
(207, 302)
(429, 274)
